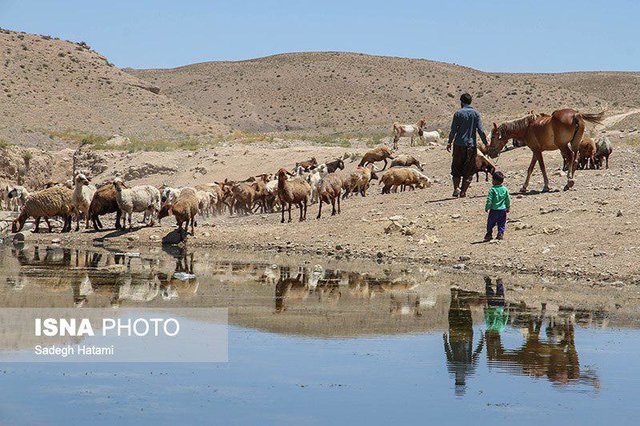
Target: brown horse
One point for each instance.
(562, 130)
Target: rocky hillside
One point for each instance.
(334, 91)
(50, 86)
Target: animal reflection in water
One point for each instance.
(329, 287)
(554, 357)
(108, 274)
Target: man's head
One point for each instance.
(498, 178)
(465, 99)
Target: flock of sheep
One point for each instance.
(308, 183)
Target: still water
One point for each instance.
(315, 341)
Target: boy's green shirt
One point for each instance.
(498, 198)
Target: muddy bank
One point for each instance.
(588, 233)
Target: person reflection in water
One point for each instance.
(458, 345)
(495, 315)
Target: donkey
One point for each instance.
(408, 130)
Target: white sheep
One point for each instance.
(170, 195)
(83, 193)
(143, 198)
(315, 178)
(17, 196)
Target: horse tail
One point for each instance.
(578, 122)
(595, 118)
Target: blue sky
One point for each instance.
(500, 35)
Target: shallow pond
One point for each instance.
(315, 341)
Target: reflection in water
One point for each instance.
(314, 301)
(554, 357)
(458, 345)
(329, 287)
(88, 273)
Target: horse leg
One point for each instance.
(534, 160)
(570, 156)
(573, 147)
(543, 169)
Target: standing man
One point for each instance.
(466, 123)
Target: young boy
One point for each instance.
(498, 205)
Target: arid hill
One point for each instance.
(349, 92)
(51, 86)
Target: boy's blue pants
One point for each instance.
(497, 217)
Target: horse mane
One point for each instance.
(520, 124)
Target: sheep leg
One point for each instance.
(289, 212)
(193, 230)
(333, 206)
(338, 197)
(385, 164)
(46, 219)
(319, 209)
(36, 227)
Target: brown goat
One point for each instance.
(404, 160)
(103, 202)
(484, 164)
(380, 153)
(184, 210)
(586, 153)
(403, 177)
(329, 192)
(359, 180)
(306, 165)
(294, 191)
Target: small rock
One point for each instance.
(619, 214)
(464, 258)
(455, 216)
(379, 255)
(520, 226)
(133, 237)
(55, 241)
(459, 266)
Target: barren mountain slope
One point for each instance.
(54, 85)
(334, 91)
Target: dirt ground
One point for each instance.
(588, 232)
